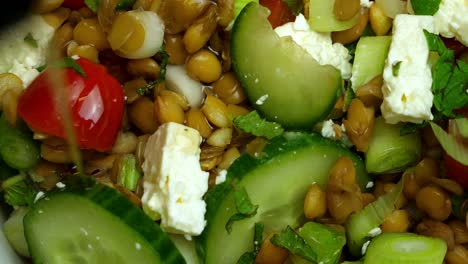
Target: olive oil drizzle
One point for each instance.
(61, 98)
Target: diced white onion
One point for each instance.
(179, 81)
(153, 37)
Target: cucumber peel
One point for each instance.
(277, 182)
(91, 223)
(280, 78)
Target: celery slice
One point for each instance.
(450, 144)
(369, 60)
(372, 216)
(388, 151)
(390, 248)
(322, 19)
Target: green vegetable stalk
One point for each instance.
(391, 248)
(128, 174)
(359, 226)
(390, 152)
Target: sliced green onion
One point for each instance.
(128, 174)
(459, 126)
(390, 248)
(450, 144)
(17, 147)
(14, 231)
(360, 225)
(389, 152)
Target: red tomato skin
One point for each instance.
(280, 13)
(456, 171)
(74, 4)
(96, 101)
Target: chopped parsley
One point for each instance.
(162, 54)
(252, 123)
(29, 39)
(293, 242)
(425, 7)
(249, 257)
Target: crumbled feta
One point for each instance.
(173, 182)
(318, 45)
(370, 184)
(327, 129)
(221, 177)
(19, 57)
(39, 195)
(375, 232)
(261, 100)
(366, 3)
(451, 20)
(407, 91)
(364, 247)
(60, 185)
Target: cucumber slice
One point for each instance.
(322, 19)
(369, 59)
(14, 231)
(88, 222)
(277, 182)
(282, 81)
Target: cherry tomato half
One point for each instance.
(280, 12)
(96, 102)
(74, 4)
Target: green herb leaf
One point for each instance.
(163, 56)
(425, 7)
(458, 210)
(41, 68)
(244, 206)
(252, 123)
(396, 68)
(92, 4)
(410, 128)
(30, 40)
(449, 78)
(291, 241)
(69, 62)
(249, 257)
(325, 241)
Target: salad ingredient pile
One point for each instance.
(236, 131)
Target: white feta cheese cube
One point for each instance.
(173, 181)
(19, 57)
(451, 20)
(407, 75)
(318, 45)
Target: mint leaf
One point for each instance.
(325, 241)
(244, 206)
(291, 241)
(396, 68)
(69, 62)
(92, 4)
(30, 40)
(425, 7)
(449, 78)
(410, 128)
(252, 123)
(249, 257)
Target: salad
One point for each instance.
(236, 131)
